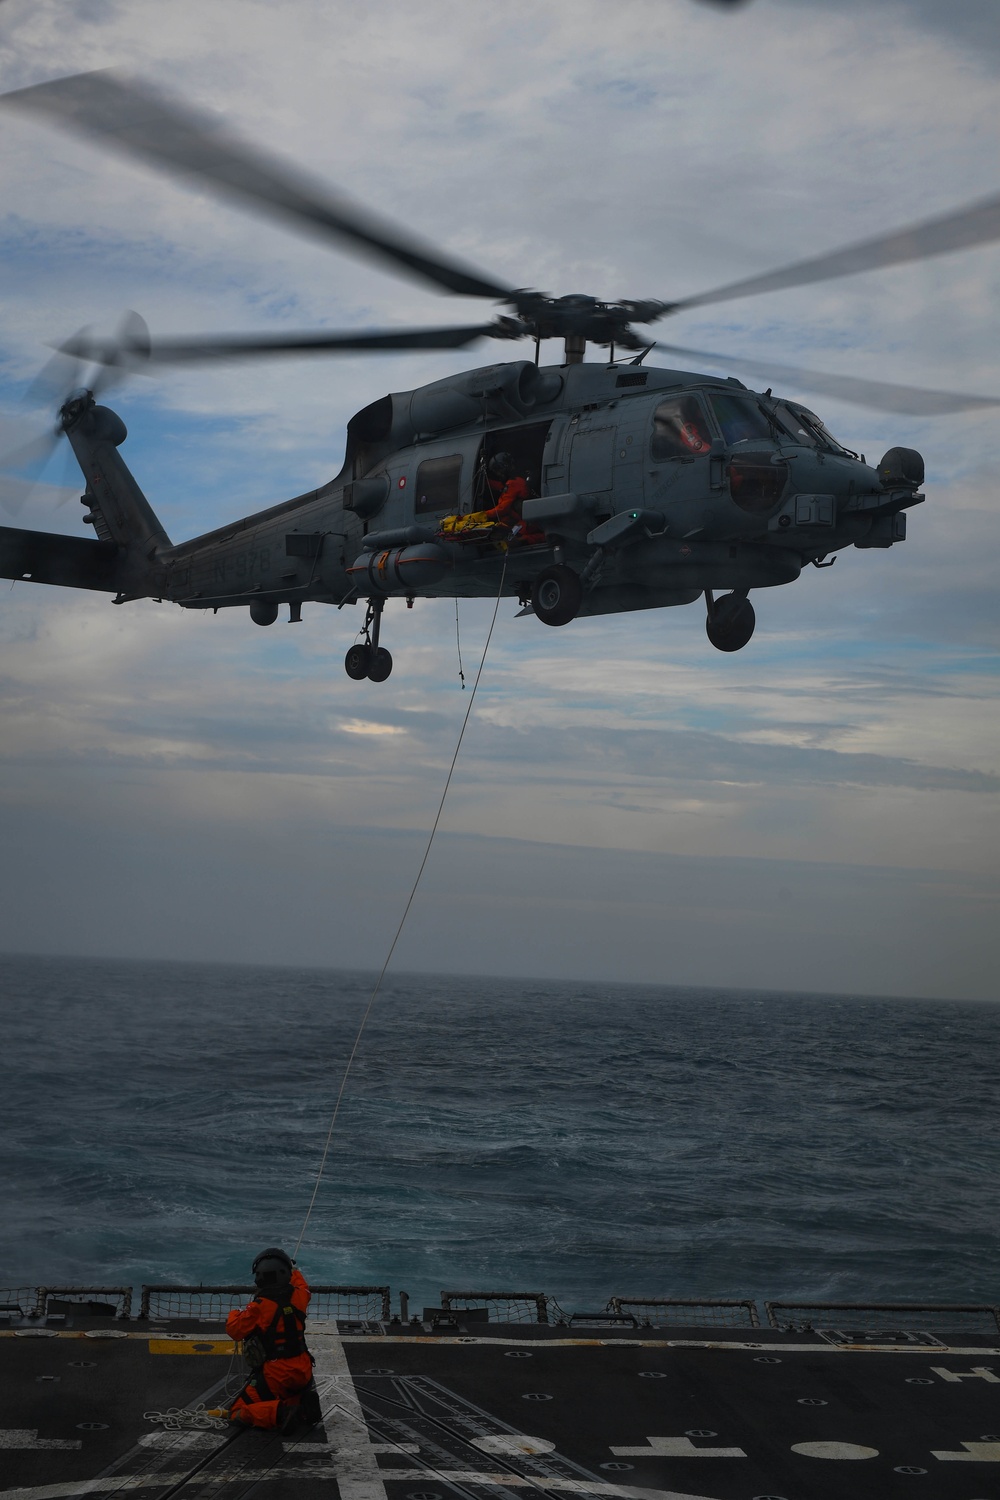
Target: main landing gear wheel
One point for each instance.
(358, 660)
(367, 658)
(380, 665)
(730, 622)
(557, 595)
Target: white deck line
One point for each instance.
(71, 1489)
(351, 1452)
(526, 1341)
(730, 1344)
(602, 1488)
(127, 1484)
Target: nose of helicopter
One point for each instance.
(901, 468)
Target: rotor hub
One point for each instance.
(578, 316)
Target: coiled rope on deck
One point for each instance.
(402, 921)
(187, 1419)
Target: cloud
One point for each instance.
(367, 727)
(652, 148)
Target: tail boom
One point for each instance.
(118, 510)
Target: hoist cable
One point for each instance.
(402, 921)
(458, 642)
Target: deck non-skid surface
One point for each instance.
(489, 1415)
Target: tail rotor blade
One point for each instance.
(109, 361)
(71, 478)
(115, 358)
(21, 469)
(57, 377)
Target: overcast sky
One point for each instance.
(818, 811)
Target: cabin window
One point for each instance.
(438, 488)
(680, 429)
(740, 419)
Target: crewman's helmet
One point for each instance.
(271, 1269)
(501, 465)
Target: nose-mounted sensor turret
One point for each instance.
(901, 469)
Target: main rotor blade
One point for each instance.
(178, 351)
(144, 123)
(977, 224)
(906, 400)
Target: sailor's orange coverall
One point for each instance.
(287, 1368)
(507, 509)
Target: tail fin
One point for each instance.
(119, 511)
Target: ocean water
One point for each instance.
(164, 1121)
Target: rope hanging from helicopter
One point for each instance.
(458, 643)
(406, 911)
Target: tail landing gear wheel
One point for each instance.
(380, 665)
(357, 661)
(556, 595)
(731, 623)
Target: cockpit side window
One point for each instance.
(805, 427)
(795, 424)
(825, 435)
(680, 429)
(740, 419)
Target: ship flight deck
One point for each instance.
(460, 1406)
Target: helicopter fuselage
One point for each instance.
(648, 488)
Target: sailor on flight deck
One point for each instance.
(272, 1327)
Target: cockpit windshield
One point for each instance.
(740, 419)
(803, 426)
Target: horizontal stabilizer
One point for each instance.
(76, 562)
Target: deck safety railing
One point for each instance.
(42, 1301)
(507, 1307)
(18, 1301)
(926, 1317)
(213, 1302)
(373, 1304)
(698, 1312)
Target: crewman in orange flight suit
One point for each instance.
(513, 491)
(509, 491)
(272, 1327)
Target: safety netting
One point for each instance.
(507, 1307)
(928, 1317)
(45, 1301)
(679, 1312)
(18, 1301)
(201, 1302)
(212, 1303)
(351, 1303)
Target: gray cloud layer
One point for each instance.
(627, 802)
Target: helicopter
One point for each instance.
(637, 486)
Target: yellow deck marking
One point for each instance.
(191, 1346)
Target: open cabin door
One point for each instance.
(526, 446)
